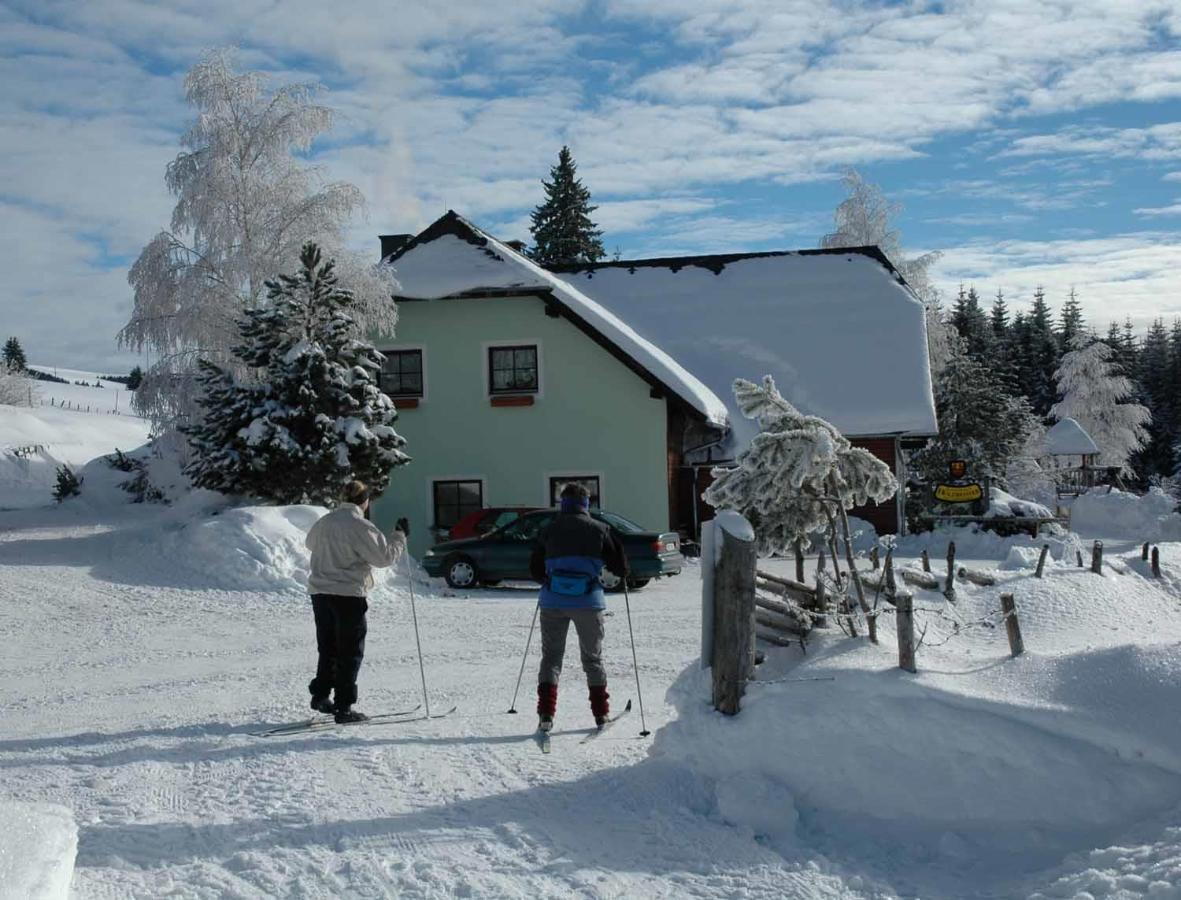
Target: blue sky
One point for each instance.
(1032, 142)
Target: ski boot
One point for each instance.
(547, 705)
(545, 723)
(348, 716)
(600, 705)
(323, 705)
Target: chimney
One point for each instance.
(392, 243)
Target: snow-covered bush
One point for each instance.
(798, 475)
(316, 419)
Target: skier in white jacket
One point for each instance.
(345, 547)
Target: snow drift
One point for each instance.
(1118, 514)
(980, 770)
(250, 548)
(38, 843)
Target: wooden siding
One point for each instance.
(882, 516)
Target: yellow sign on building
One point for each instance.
(958, 493)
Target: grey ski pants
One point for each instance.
(555, 624)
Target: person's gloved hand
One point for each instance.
(403, 525)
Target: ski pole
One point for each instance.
(513, 706)
(417, 640)
(635, 665)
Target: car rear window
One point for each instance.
(619, 523)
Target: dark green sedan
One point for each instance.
(504, 554)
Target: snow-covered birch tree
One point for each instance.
(866, 218)
(798, 473)
(15, 389)
(245, 205)
(1092, 393)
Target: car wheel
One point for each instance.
(611, 582)
(460, 572)
(635, 584)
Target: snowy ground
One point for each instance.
(144, 645)
(136, 688)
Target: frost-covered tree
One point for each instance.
(316, 419)
(135, 379)
(1093, 394)
(866, 218)
(15, 389)
(798, 474)
(562, 228)
(14, 355)
(246, 201)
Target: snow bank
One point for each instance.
(973, 542)
(38, 843)
(1118, 514)
(35, 441)
(1002, 504)
(976, 771)
(259, 548)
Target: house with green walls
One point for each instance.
(510, 382)
(512, 379)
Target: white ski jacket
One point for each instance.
(345, 547)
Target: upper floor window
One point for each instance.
(513, 370)
(401, 373)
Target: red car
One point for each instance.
(482, 521)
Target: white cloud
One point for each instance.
(1130, 275)
(464, 105)
(1157, 211)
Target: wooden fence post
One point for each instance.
(874, 561)
(1097, 558)
(904, 606)
(821, 620)
(734, 621)
(926, 561)
(1079, 555)
(1144, 552)
(799, 551)
(1041, 561)
(1156, 562)
(949, 590)
(1009, 605)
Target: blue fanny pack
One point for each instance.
(572, 584)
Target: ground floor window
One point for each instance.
(456, 499)
(590, 482)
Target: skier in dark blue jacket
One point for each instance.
(567, 558)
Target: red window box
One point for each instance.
(526, 400)
(405, 402)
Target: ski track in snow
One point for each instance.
(132, 694)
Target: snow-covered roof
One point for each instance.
(454, 258)
(844, 337)
(1069, 438)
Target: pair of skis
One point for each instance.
(543, 737)
(327, 723)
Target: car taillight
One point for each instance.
(658, 546)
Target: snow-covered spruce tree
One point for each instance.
(135, 378)
(866, 218)
(798, 473)
(314, 418)
(980, 421)
(14, 355)
(562, 228)
(246, 203)
(1072, 321)
(1094, 394)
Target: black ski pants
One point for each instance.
(340, 640)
